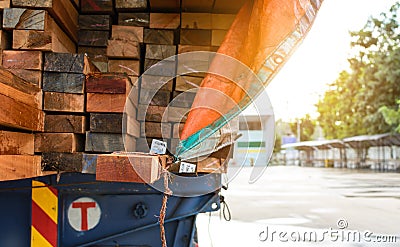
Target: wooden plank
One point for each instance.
(154, 97)
(58, 142)
(20, 90)
(217, 37)
(4, 4)
(209, 165)
(222, 21)
(5, 40)
(54, 40)
(128, 33)
(156, 130)
(133, 127)
(63, 82)
(199, 6)
(89, 163)
(156, 82)
(18, 115)
(159, 51)
(106, 122)
(138, 168)
(158, 36)
(62, 162)
(134, 19)
(107, 83)
(22, 59)
(177, 130)
(97, 56)
(195, 37)
(177, 114)
(63, 102)
(130, 67)
(19, 166)
(190, 48)
(97, 6)
(62, 11)
(103, 142)
(93, 38)
(95, 22)
(185, 83)
(68, 63)
(160, 67)
(112, 103)
(28, 19)
(165, 20)
(183, 99)
(16, 143)
(174, 142)
(165, 6)
(196, 21)
(125, 5)
(124, 49)
(152, 113)
(65, 124)
(32, 76)
(142, 145)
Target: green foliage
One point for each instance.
(351, 106)
(392, 116)
(307, 127)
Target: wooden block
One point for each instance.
(127, 33)
(209, 165)
(134, 19)
(160, 52)
(63, 102)
(22, 59)
(62, 162)
(195, 37)
(93, 38)
(165, 6)
(183, 99)
(184, 83)
(156, 82)
(143, 145)
(106, 122)
(112, 103)
(58, 142)
(137, 168)
(165, 20)
(218, 37)
(134, 95)
(123, 49)
(165, 67)
(130, 67)
(152, 113)
(222, 21)
(16, 143)
(63, 82)
(20, 18)
(107, 83)
(68, 63)
(4, 4)
(125, 5)
(65, 124)
(199, 6)
(154, 97)
(97, 6)
(103, 142)
(159, 36)
(18, 115)
(62, 11)
(196, 21)
(177, 130)
(156, 130)
(94, 22)
(95, 54)
(32, 76)
(55, 41)
(177, 114)
(20, 90)
(19, 166)
(190, 48)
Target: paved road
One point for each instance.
(307, 203)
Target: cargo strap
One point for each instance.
(163, 210)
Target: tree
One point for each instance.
(392, 116)
(351, 105)
(307, 126)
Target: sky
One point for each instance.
(320, 58)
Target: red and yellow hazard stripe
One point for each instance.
(44, 215)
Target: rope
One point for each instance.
(163, 209)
